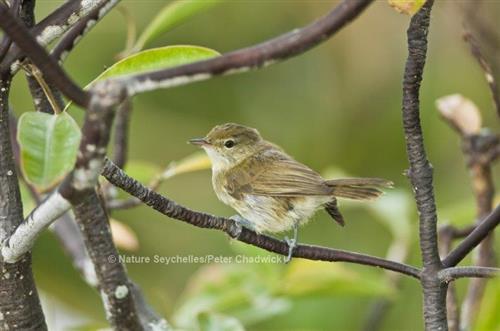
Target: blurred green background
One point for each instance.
(335, 108)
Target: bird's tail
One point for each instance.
(358, 188)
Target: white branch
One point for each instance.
(23, 238)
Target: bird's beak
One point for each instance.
(199, 142)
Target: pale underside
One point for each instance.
(282, 194)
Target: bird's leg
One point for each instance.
(242, 222)
(292, 243)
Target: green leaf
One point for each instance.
(172, 15)
(158, 58)
(28, 202)
(48, 144)
(155, 59)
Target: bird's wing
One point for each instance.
(276, 176)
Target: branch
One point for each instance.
(171, 209)
(420, 171)
(486, 226)
(71, 238)
(95, 135)
(122, 124)
(278, 49)
(50, 69)
(479, 147)
(19, 303)
(450, 274)
(6, 42)
(73, 36)
(52, 27)
(447, 234)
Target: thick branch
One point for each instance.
(283, 47)
(19, 303)
(473, 239)
(114, 284)
(171, 209)
(420, 171)
(6, 42)
(50, 69)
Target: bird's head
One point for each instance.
(229, 144)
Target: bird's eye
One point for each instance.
(229, 143)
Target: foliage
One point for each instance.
(48, 146)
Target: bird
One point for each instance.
(270, 190)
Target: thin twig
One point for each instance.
(47, 91)
(449, 274)
(482, 230)
(447, 234)
(488, 73)
(171, 209)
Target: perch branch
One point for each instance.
(171, 209)
(280, 48)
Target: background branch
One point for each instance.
(283, 47)
(477, 145)
(50, 69)
(473, 239)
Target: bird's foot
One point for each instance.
(241, 222)
(292, 243)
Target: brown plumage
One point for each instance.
(269, 189)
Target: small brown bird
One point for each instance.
(269, 189)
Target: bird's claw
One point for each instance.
(292, 243)
(242, 222)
